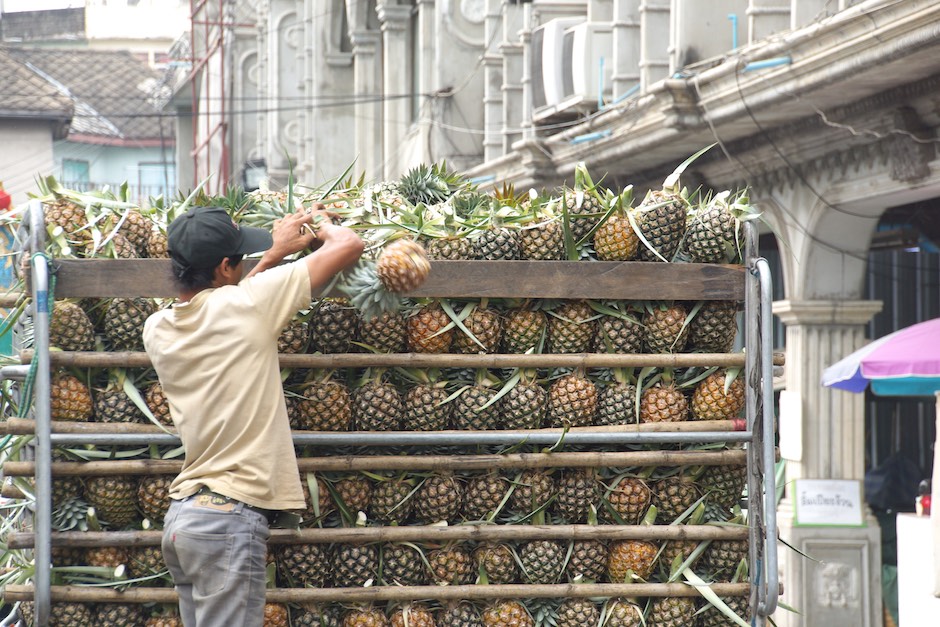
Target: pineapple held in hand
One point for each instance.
(377, 287)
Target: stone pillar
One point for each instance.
(766, 17)
(838, 585)
(655, 35)
(366, 83)
(396, 111)
(626, 47)
(512, 51)
(493, 80)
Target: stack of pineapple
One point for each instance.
(434, 210)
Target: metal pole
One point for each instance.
(42, 522)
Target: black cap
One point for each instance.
(203, 236)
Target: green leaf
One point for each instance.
(705, 590)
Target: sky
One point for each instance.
(13, 6)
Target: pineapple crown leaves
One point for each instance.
(672, 181)
(458, 319)
(366, 291)
(706, 591)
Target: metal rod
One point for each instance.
(15, 373)
(753, 405)
(43, 412)
(769, 604)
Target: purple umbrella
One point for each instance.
(903, 363)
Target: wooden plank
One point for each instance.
(628, 280)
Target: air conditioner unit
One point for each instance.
(587, 64)
(547, 51)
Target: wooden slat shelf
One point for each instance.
(608, 280)
(86, 594)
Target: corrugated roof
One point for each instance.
(114, 91)
(26, 95)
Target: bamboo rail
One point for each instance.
(413, 533)
(586, 459)
(85, 594)
(115, 359)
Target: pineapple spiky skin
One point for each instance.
(523, 330)
(385, 333)
(403, 266)
(577, 613)
(676, 552)
(533, 489)
(714, 327)
(619, 335)
(542, 561)
(723, 486)
(544, 242)
(354, 564)
(71, 217)
(486, 326)
(666, 331)
(315, 615)
(124, 322)
(354, 493)
(62, 614)
(365, 617)
(616, 404)
(623, 613)
(324, 501)
(107, 556)
(588, 560)
(294, 338)
(334, 325)
(412, 616)
(157, 403)
(663, 403)
(439, 498)
(577, 494)
(711, 401)
(146, 561)
(721, 557)
(425, 408)
(157, 245)
(451, 566)
(119, 615)
(484, 494)
(671, 612)
(672, 496)
(137, 229)
(114, 499)
(70, 328)
(615, 240)
(498, 562)
(661, 219)
(579, 212)
(402, 565)
(70, 398)
(153, 497)
(450, 249)
(113, 405)
(120, 247)
(377, 407)
(711, 616)
(524, 406)
(627, 500)
(326, 405)
(391, 501)
(304, 565)
(572, 402)
(507, 613)
(425, 333)
(638, 556)
(459, 614)
(469, 412)
(276, 615)
(713, 234)
(571, 327)
(496, 244)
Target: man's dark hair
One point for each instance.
(187, 278)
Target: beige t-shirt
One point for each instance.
(216, 357)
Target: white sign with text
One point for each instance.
(829, 502)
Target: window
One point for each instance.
(75, 171)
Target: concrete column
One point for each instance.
(822, 437)
(626, 47)
(766, 17)
(512, 52)
(367, 85)
(654, 41)
(493, 81)
(803, 12)
(396, 111)
(525, 38)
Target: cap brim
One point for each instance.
(254, 240)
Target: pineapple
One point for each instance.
(354, 565)
(113, 557)
(124, 322)
(412, 616)
(427, 184)
(619, 330)
(496, 242)
(114, 499)
(71, 218)
(119, 615)
(483, 331)
(304, 565)
(402, 266)
(629, 559)
(672, 496)
(62, 614)
(438, 499)
(353, 494)
(572, 401)
(714, 233)
(333, 325)
(136, 228)
(544, 238)
(671, 612)
(660, 220)
(663, 402)
(153, 496)
(627, 501)
(576, 612)
(484, 496)
(384, 333)
(722, 558)
(711, 616)
(391, 501)
(507, 613)
(666, 328)
(70, 328)
(720, 396)
(326, 404)
(146, 561)
(615, 239)
(498, 561)
(474, 409)
(430, 330)
(294, 338)
(577, 494)
(714, 327)
(70, 398)
(571, 327)
(616, 403)
(276, 615)
(118, 246)
(157, 403)
(426, 406)
(403, 565)
(451, 565)
(459, 614)
(533, 489)
(623, 613)
(377, 405)
(588, 560)
(583, 204)
(723, 485)
(112, 404)
(321, 506)
(524, 330)
(525, 404)
(315, 615)
(157, 247)
(365, 617)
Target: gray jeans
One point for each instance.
(216, 555)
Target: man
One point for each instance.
(215, 353)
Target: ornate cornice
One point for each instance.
(826, 312)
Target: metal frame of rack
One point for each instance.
(756, 431)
